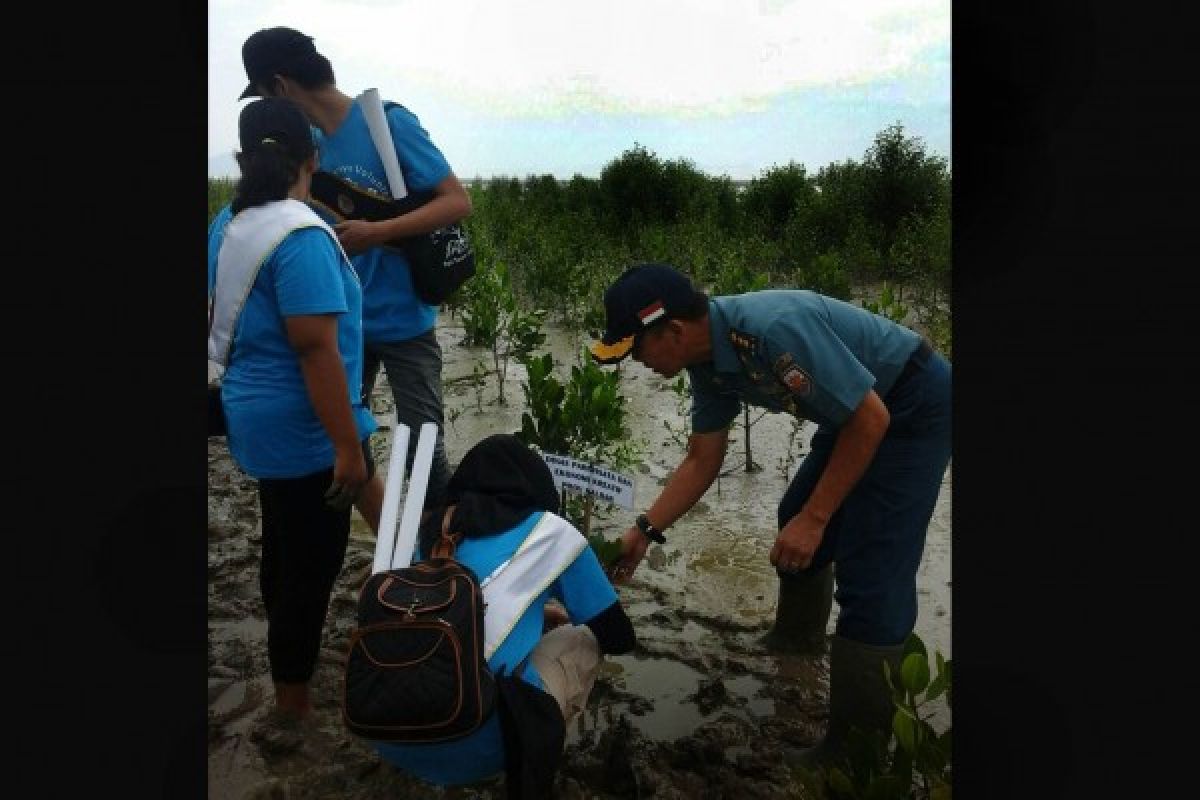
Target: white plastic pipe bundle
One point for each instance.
(394, 549)
(385, 539)
(414, 500)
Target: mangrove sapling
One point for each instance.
(913, 761)
(679, 434)
(478, 377)
(735, 277)
(889, 305)
(790, 455)
(492, 318)
(583, 419)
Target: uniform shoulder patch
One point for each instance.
(742, 340)
(792, 376)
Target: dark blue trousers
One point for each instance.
(876, 537)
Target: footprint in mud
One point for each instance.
(232, 699)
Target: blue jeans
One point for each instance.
(875, 539)
(414, 371)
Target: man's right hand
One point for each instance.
(633, 548)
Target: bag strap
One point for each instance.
(446, 544)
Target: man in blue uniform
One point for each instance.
(862, 498)
(398, 327)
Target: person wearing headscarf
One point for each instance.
(502, 501)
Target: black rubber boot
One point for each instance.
(805, 600)
(858, 698)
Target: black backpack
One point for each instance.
(416, 671)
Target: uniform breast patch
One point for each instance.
(743, 341)
(792, 376)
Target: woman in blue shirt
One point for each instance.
(287, 326)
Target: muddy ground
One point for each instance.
(700, 709)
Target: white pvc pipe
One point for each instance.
(406, 539)
(385, 539)
(381, 136)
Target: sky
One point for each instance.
(563, 87)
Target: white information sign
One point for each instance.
(594, 479)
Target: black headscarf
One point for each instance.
(499, 483)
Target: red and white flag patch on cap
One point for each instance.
(651, 312)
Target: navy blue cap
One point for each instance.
(272, 52)
(278, 122)
(645, 294)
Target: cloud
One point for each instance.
(549, 58)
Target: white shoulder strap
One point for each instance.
(544, 555)
(250, 238)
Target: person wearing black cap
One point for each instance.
(861, 500)
(398, 328)
(286, 325)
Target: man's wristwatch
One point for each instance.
(649, 531)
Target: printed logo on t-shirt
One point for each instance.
(359, 174)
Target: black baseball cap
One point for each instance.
(273, 51)
(644, 295)
(278, 121)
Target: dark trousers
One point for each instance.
(303, 546)
(414, 371)
(876, 537)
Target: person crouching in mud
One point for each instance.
(501, 496)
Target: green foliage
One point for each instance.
(492, 318)
(827, 274)
(583, 418)
(886, 217)
(220, 194)
(915, 760)
(679, 435)
(607, 551)
(773, 199)
(901, 182)
(888, 305)
(736, 277)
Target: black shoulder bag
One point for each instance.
(440, 261)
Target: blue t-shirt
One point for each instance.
(794, 351)
(273, 431)
(216, 235)
(584, 591)
(391, 310)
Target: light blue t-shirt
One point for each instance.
(795, 351)
(584, 591)
(273, 431)
(391, 310)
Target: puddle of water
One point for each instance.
(664, 682)
(749, 689)
(668, 684)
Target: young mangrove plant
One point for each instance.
(583, 418)
(492, 318)
(913, 762)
